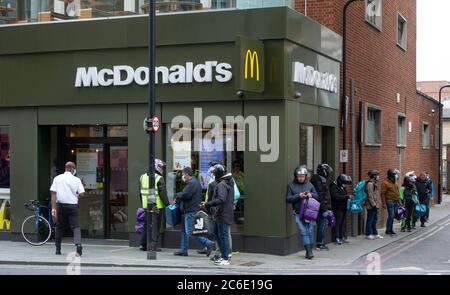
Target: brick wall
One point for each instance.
(381, 69)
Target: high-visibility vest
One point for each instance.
(144, 191)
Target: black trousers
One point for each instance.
(409, 206)
(159, 227)
(341, 223)
(67, 213)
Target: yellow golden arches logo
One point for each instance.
(253, 59)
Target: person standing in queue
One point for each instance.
(65, 191)
(189, 200)
(339, 198)
(161, 200)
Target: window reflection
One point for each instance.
(23, 11)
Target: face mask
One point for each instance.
(74, 172)
(377, 177)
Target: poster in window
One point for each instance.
(207, 155)
(87, 168)
(181, 154)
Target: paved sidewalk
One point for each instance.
(119, 254)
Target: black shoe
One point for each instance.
(345, 241)
(79, 250)
(422, 225)
(309, 253)
(322, 248)
(142, 248)
(338, 242)
(58, 252)
(180, 253)
(215, 257)
(203, 251)
(408, 230)
(158, 250)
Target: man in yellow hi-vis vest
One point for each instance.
(161, 199)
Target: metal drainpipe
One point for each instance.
(352, 116)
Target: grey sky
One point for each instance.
(433, 40)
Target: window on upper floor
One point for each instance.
(402, 31)
(374, 13)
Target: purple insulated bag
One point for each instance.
(140, 218)
(309, 209)
(400, 213)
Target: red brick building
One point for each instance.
(400, 123)
(431, 88)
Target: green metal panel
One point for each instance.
(83, 115)
(265, 185)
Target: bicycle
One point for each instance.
(36, 229)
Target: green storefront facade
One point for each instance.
(62, 78)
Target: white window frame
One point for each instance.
(424, 123)
(379, 127)
(405, 32)
(405, 130)
(369, 21)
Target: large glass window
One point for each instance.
(5, 147)
(22, 11)
(197, 149)
(310, 146)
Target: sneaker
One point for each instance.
(338, 242)
(403, 230)
(79, 250)
(180, 253)
(58, 252)
(379, 237)
(370, 237)
(322, 248)
(142, 248)
(422, 225)
(215, 258)
(408, 230)
(345, 241)
(221, 262)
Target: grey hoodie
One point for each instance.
(223, 200)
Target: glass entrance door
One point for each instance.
(89, 159)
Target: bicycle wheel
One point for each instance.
(36, 231)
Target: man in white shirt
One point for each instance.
(65, 189)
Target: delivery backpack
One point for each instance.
(201, 224)
(140, 219)
(359, 193)
(309, 209)
(237, 193)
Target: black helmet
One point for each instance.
(373, 172)
(343, 179)
(392, 174)
(219, 171)
(300, 170)
(324, 170)
(408, 181)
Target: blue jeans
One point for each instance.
(391, 207)
(222, 231)
(186, 231)
(371, 224)
(321, 226)
(306, 231)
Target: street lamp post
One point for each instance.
(440, 145)
(344, 78)
(151, 201)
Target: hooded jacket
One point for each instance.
(293, 193)
(222, 203)
(373, 194)
(390, 191)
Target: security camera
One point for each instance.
(432, 111)
(298, 95)
(239, 93)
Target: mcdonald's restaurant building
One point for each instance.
(77, 91)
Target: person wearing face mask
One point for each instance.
(65, 191)
(373, 204)
(189, 200)
(390, 196)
